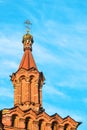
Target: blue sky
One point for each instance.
(59, 29)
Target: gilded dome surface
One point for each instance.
(27, 37)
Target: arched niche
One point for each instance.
(22, 77)
(15, 120)
(54, 125)
(41, 124)
(32, 76)
(28, 123)
(67, 127)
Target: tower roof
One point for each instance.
(27, 61)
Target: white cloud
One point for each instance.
(75, 82)
(9, 64)
(71, 63)
(9, 46)
(7, 67)
(9, 50)
(43, 55)
(54, 91)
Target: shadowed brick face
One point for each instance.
(28, 112)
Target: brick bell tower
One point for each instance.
(27, 112)
(28, 81)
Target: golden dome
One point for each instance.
(27, 37)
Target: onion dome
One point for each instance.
(27, 41)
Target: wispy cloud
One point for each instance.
(43, 55)
(69, 63)
(54, 91)
(9, 46)
(72, 81)
(9, 64)
(9, 49)
(7, 67)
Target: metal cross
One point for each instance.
(27, 23)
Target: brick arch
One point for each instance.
(17, 112)
(32, 116)
(43, 116)
(54, 125)
(67, 126)
(22, 77)
(28, 123)
(54, 120)
(15, 120)
(32, 76)
(41, 124)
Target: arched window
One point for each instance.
(41, 127)
(54, 126)
(14, 121)
(28, 123)
(67, 127)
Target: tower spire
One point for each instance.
(27, 61)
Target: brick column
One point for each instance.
(17, 94)
(20, 92)
(26, 93)
(36, 92)
(27, 90)
(40, 95)
(35, 125)
(60, 127)
(48, 126)
(21, 123)
(32, 90)
(23, 82)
